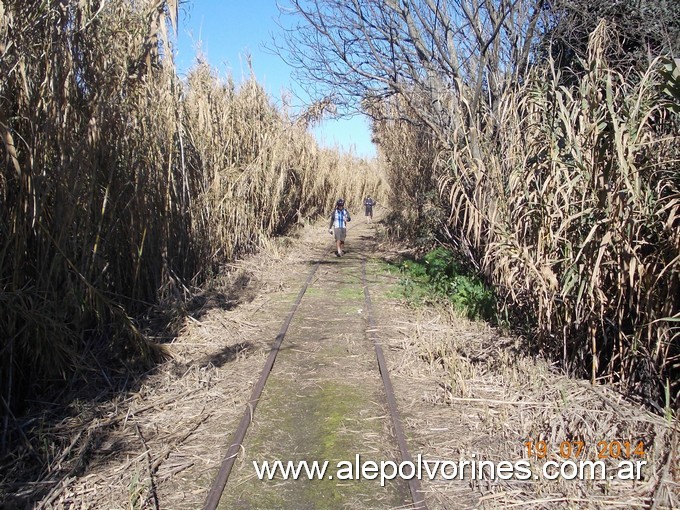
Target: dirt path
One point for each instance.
(324, 400)
(464, 390)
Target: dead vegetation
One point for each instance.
(158, 440)
(124, 188)
(544, 153)
(463, 390)
(470, 393)
(570, 209)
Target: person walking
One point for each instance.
(369, 203)
(338, 226)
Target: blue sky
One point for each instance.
(227, 31)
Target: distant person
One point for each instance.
(369, 203)
(339, 219)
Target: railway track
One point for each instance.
(370, 334)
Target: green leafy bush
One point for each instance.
(439, 275)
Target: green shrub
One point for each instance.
(439, 275)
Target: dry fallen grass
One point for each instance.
(470, 393)
(463, 389)
(164, 440)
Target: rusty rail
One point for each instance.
(417, 494)
(215, 494)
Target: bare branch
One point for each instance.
(446, 58)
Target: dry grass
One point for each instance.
(468, 393)
(165, 436)
(125, 187)
(567, 198)
(463, 389)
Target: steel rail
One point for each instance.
(217, 489)
(417, 494)
(215, 494)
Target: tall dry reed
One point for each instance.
(570, 205)
(123, 185)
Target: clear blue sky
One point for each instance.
(227, 31)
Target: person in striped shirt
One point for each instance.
(338, 226)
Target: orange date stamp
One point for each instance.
(614, 449)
